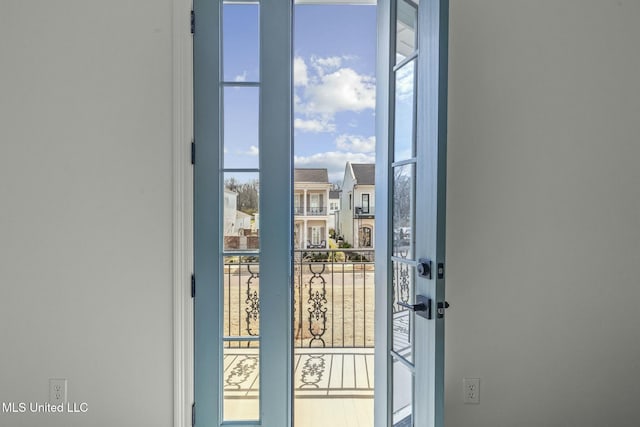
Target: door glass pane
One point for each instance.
(241, 127)
(407, 19)
(241, 381)
(403, 318)
(403, 134)
(402, 395)
(403, 211)
(241, 228)
(241, 43)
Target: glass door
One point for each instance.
(411, 184)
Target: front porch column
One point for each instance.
(304, 233)
(304, 206)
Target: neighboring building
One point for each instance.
(240, 229)
(311, 208)
(230, 204)
(334, 209)
(357, 204)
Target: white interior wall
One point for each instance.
(543, 225)
(86, 209)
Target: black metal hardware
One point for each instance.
(422, 307)
(193, 414)
(193, 22)
(193, 286)
(442, 306)
(424, 268)
(441, 270)
(193, 152)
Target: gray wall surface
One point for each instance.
(543, 232)
(86, 209)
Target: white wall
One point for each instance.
(86, 208)
(543, 232)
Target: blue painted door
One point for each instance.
(242, 212)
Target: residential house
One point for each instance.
(310, 207)
(357, 219)
(240, 229)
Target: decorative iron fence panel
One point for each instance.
(333, 299)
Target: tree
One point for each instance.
(248, 195)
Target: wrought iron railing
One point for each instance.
(322, 210)
(333, 299)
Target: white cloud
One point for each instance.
(405, 82)
(252, 151)
(314, 126)
(327, 64)
(300, 72)
(341, 90)
(358, 144)
(241, 77)
(334, 161)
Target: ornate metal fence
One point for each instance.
(333, 298)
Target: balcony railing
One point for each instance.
(364, 211)
(333, 303)
(311, 211)
(333, 299)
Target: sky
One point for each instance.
(334, 86)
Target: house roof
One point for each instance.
(334, 194)
(364, 173)
(311, 175)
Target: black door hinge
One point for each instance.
(193, 152)
(441, 270)
(193, 414)
(193, 286)
(193, 22)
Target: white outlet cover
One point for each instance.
(57, 391)
(471, 390)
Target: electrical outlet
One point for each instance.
(471, 390)
(57, 391)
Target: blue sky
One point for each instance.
(334, 67)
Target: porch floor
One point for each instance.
(332, 386)
(330, 372)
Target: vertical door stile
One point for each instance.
(207, 214)
(276, 160)
(383, 274)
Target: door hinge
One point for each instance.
(193, 22)
(193, 152)
(193, 286)
(193, 414)
(441, 307)
(441, 270)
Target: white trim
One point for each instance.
(182, 214)
(383, 405)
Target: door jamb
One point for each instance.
(182, 187)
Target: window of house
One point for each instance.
(365, 237)
(365, 203)
(316, 235)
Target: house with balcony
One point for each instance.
(357, 219)
(311, 208)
